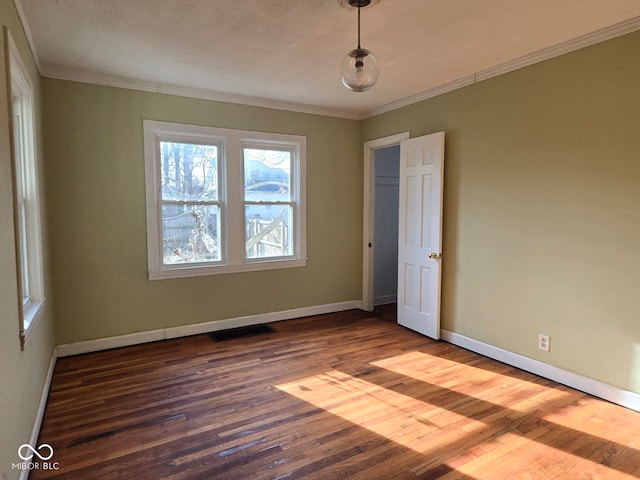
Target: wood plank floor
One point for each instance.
(348, 395)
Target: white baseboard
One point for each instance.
(37, 423)
(89, 346)
(588, 385)
(198, 328)
(195, 329)
(385, 299)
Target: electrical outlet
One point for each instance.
(544, 342)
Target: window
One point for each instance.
(221, 200)
(189, 203)
(26, 198)
(268, 204)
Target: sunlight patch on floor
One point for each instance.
(515, 457)
(586, 415)
(425, 427)
(395, 416)
(466, 379)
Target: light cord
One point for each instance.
(358, 28)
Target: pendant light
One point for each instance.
(360, 67)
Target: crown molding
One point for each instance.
(203, 94)
(257, 101)
(419, 97)
(27, 33)
(568, 46)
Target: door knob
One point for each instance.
(435, 256)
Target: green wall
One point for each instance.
(22, 373)
(542, 208)
(94, 144)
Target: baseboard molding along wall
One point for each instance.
(588, 385)
(89, 346)
(42, 405)
(385, 299)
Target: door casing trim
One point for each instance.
(368, 210)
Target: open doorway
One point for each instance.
(380, 234)
(385, 228)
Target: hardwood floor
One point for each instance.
(348, 395)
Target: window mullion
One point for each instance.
(235, 206)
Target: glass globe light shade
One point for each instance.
(359, 70)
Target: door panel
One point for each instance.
(420, 233)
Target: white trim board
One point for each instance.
(571, 45)
(37, 422)
(368, 214)
(89, 346)
(588, 385)
(198, 93)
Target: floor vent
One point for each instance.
(240, 332)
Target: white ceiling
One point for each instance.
(287, 53)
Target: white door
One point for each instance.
(420, 233)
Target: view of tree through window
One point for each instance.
(190, 203)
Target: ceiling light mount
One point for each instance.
(359, 3)
(360, 67)
(350, 4)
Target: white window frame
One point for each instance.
(231, 177)
(27, 221)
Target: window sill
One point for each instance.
(187, 271)
(30, 318)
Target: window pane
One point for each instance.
(268, 230)
(190, 233)
(267, 175)
(189, 172)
